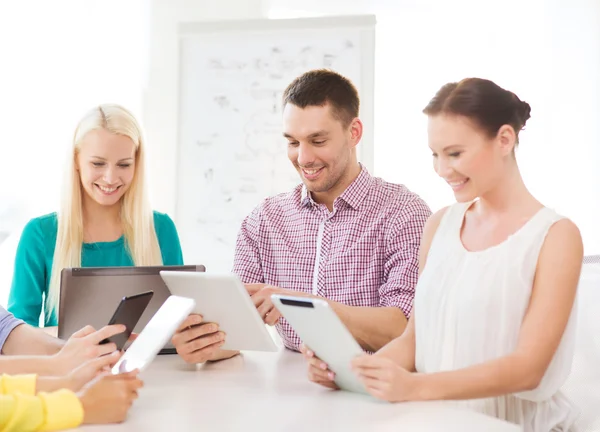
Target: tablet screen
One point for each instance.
(155, 335)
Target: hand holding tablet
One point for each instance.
(223, 301)
(324, 333)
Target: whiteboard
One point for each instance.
(231, 153)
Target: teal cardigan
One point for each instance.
(35, 253)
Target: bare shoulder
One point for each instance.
(433, 223)
(563, 242)
(565, 227)
(560, 261)
(429, 231)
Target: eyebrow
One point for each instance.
(448, 148)
(121, 160)
(312, 135)
(452, 147)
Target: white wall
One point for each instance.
(545, 51)
(58, 59)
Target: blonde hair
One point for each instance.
(136, 214)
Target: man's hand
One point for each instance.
(318, 371)
(83, 346)
(261, 297)
(198, 342)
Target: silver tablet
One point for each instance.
(223, 299)
(156, 334)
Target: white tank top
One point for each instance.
(469, 307)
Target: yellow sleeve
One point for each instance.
(21, 410)
(23, 384)
(63, 410)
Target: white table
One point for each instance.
(270, 392)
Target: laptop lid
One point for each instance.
(90, 295)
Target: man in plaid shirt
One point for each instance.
(341, 235)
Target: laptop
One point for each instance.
(90, 295)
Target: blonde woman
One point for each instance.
(105, 218)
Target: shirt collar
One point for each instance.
(353, 196)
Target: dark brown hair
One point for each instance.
(320, 87)
(482, 101)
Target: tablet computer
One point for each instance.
(159, 330)
(89, 295)
(319, 327)
(223, 299)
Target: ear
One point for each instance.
(76, 161)
(356, 131)
(507, 139)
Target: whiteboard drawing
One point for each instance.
(231, 151)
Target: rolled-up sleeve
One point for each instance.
(401, 269)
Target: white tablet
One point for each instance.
(223, 299)
(159, 330)
(320, 329)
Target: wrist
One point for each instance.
(51, 344)
(51, 384)
(52, 366)
(292, 293)
(420, 387)
(84, 408)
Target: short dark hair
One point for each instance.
(320, 87)
(484, 102)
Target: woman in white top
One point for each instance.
(493, 321)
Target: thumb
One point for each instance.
(253, 288)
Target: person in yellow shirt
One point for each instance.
(24, 406)
(88, 394)
(65, 388)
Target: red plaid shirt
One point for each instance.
(363, 253)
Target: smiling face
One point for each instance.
(321, 148)
(106, 166)
(470, 161)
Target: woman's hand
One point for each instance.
(90, 370)
(107, 399)
(384, 379)
(318, 371)
(84, 345)
(79, 377)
